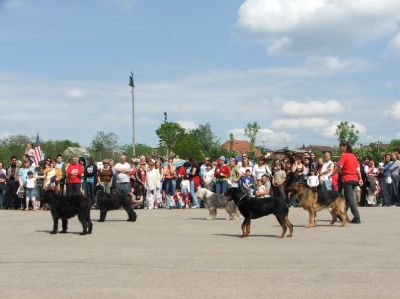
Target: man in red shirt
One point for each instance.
(349, 167)
(74, 174)
(222, 174)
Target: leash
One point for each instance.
(242, 198)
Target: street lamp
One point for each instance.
(132, 85)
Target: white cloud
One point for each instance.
(75, 94)
(395, 44)
(187, 124)
(291, 123)
(126, 4)
(294, 108)
(394, 112)
(288, 25)
(14, 3)
(266, 137)
(330, 131)
(388, 84)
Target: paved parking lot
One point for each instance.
(178, 254)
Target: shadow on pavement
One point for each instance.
(240, 236)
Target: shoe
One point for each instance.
(355, 221)
(195, 207)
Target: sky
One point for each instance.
(297, 67)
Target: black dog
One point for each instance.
(66, 207)
(113, 201)
(253, 208)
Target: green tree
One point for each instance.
(251, 132)
(394, 144)
(13, 145)
(140, 150)
(104, 145)
(205, 137)
(347, 133)
(52, 148)
(187, 146)
(231, 141)
(169, 134)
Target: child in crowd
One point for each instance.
(313, 180)
(176, 200)
(185, 190)
(248, 182)
(30, 189)
(208, 178)
(261, 190)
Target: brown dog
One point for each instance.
(314, 201)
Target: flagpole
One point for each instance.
(132, 85)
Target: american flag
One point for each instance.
(38, 151)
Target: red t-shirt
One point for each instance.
(349, 164)
(224, 170)
(74, 179)
(182, 171)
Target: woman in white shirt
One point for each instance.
(261, 168)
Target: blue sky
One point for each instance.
(297, 67)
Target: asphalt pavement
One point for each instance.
(179, 254)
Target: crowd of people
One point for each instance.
(157, 183)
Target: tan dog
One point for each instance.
(314, 201)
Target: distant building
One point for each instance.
(317, 148)
(76, 152)
(240, 147)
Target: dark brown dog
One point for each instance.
(314, 201)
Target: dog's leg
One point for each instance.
(248, 229)
(55, 225)
(290, 225)
(64, 225)
(245, 228)
(103, 214)
(212, 213)
(334, 216)
(315, 218)
(282, 222)
(83, 221)
(310, 219)
(341, 212)
(131, 213)
(247, 222)
(89, 222)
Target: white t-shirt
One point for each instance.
(185, 184)
(208, 177)
(259, 171)
(325, 167)
(243, 169)
(312, 181)
(122, 177)
(30, 183)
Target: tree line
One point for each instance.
(174, 140)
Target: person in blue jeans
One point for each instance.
(222, 173)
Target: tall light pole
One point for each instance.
(132, 85)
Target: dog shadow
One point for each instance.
(111, 220)
(205, 219)
(239, 236)
(49, 231)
